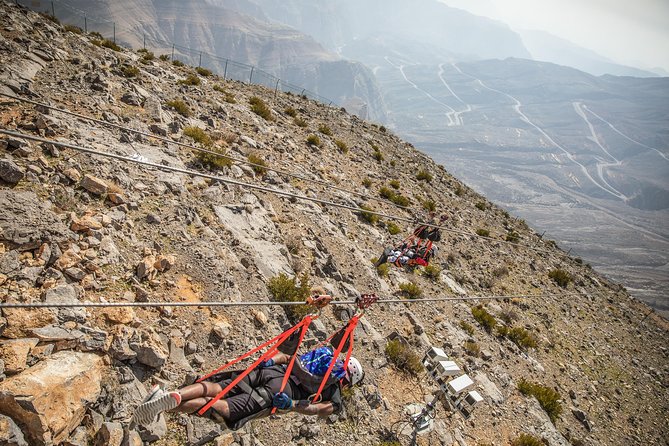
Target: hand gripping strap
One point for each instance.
(305, 326)
(268, 354)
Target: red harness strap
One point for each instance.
(347, 334)
(278, 340)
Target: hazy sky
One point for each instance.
(629, 32)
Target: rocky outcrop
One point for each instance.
(49, 400)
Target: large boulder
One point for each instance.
(26, 221)
(49, 400)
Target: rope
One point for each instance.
(266, 304)
(263, 189)
(199, 149)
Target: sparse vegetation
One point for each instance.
(212, 160)
(483, 232)
(314, 140)
(429, 205)
(500, 271)
(481, 205)
(227, 96)
(484, 318)
(191, 79)
(129, 71)
(290, 111)
(395, 184)
(203, 71)
(367, 183)
(378, 156)
(522, 338)
(177, 63)
(382, 129)
(180, 107)
(560, 277)
(370, 218)
(164, 57)
(386, 193)
(261, 109)
(403, 358)
(459, 190)
(512, 237)
(300, 122)
(424, 175)
(548, 398)
(199, 136)
(393, 229)
(382, 269)
(147, 56)
(472, 348)
(432, 272)
(341, 145)
(467, 327)
(286, 289)
(411, 290)
(527, 440)
(324, 129)
(106, 43)
(259, 168)
(73, 29)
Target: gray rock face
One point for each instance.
(10, 172)
(26, 221)
(10, 434)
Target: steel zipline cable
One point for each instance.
(199, 149)
(267, 303)
(260, 188)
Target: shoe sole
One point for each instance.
(147, 412)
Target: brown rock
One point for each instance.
(94, 185)
(15, 352)
(145, 268)
(164, 262)
(116, 197)
(119, 315)
(72, 174)
(21, 321)
(85, 223)
(49, 400)
(67, 260)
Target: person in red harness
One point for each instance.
(417, 249)
(260, 391)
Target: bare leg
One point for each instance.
(199, 390)
(190, 406)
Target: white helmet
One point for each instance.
(354, 371)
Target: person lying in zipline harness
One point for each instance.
(260, 391)
(416, 250)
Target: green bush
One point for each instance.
(259, 169)
(560, 277)
(393, 163)
(522, 338)
(106, 43)
(130, 71)
(199, 136)
(548, 398)
(429, 205)
(367, 183)
(300, 122)
(484, 318)
(395, 184)
(481, 205)
(191, 79)
(483, 232)
(341, 145)
(324, 129)
(368, 216)
(382, 269)
(472, 348)
(96, 35)
(512, 237)
(403, 358)
(314, 140)
(424, 175)
(386, 193)
(177, 63)
(466, 326)
(400, 200)
(180, 107)
(459, 191)
(73, 29)
(164, 57)
(261, 109)
(285, 289)
(290, 111)
(393, 229)
(527, 440)
(203, 71)
(432, 272)
(383, 129)
(147, 56)
(378, 156)
(411, 290)
(212, 160)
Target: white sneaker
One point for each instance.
(155, 392)
(149, 410)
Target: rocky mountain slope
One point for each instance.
(81, 228)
